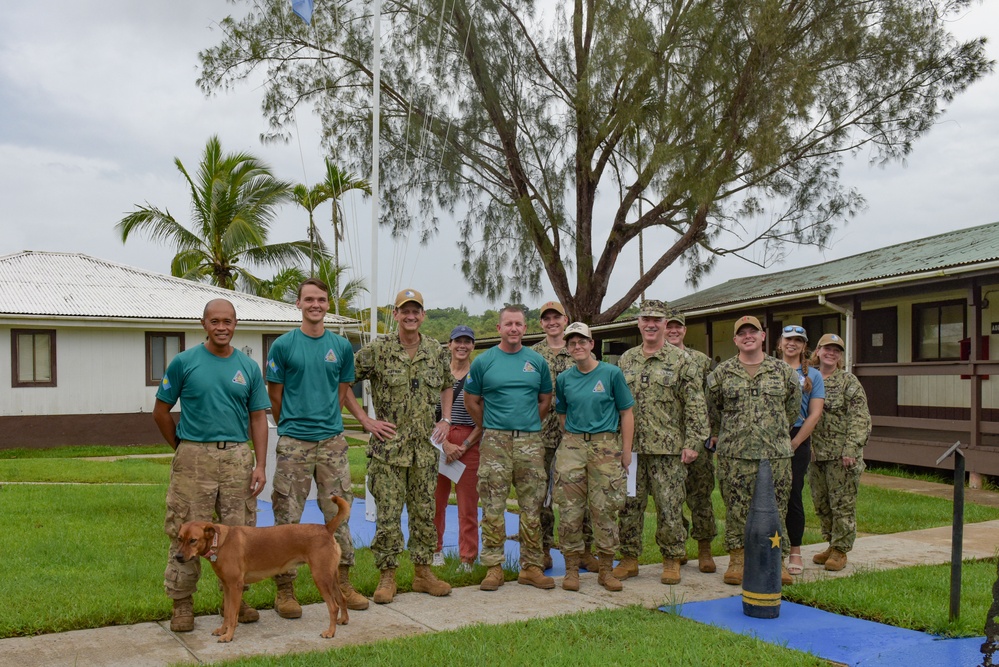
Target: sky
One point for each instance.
(98, 98)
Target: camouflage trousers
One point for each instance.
(834, 494)
(548, 512)
(663, 476)
(395, 486)
(700, 485)
(505, 459)
(298, 463)
(589, 476)
(205, 481)
(737, 479)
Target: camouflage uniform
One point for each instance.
(670, 415)
(298, 461)
(505, 458)
(551, 434)
(841, 432)
(205, 479)
(403, 470)
(751, 417)
(590, 480)
(701, 476)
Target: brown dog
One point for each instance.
(242, 555)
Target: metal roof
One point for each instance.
(961, 248)
(57, 284)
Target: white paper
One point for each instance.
(633, 476)
(370, 511)
(452, 471)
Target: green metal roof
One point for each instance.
(960, 248)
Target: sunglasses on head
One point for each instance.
(794, 329)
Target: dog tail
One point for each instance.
(343, 513)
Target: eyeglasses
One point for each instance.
(794, 329)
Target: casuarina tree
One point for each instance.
(555, 135)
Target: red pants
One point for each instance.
(468, 499)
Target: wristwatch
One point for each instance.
(466, 444)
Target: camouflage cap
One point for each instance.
(408, 295)
(676, 316)
(744, 320)
(653, 308)
(832, 339)
(577, 329)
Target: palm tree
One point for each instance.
(283, 286)
(337, 183)
(234, 198)
(343, 295)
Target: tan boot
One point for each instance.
(671, 571)
(590, 562)
(425, 581)
(182, 619)
(571, 580)
(733, 575)
(351, 597)
(285, 603)
(627, 568)
(821, 558)
(385, 591)
(836, 560)
(247, 614)
(493, 579)
(548, 559)
(533, 576)
(605, 576)
(785, 577)
(705, 563)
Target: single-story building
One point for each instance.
(90, 339)
(918, 318)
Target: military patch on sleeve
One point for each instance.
(330, 356)
(271, 365)
(166, 382)
(239, 378)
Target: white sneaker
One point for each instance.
(465, 567)
(438, 559)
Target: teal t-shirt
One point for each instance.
(591, 402)
(509, 385)
(311, 370)
(217, 394)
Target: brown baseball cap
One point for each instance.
(744, 320)
(552, 305)
(653, 308)
(832, 339)
(407, 295)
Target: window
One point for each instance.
(33, 357)
(819, 325)
(268, 341)
(161, 348)
(938, 329)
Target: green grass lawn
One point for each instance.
(93, 554)
(606, 638)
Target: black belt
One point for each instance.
(219, 444)
(587, 437)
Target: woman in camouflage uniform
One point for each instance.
(837, 447)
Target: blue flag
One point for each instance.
(303, 8)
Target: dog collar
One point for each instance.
(211, 553)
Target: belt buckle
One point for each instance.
(587, 437)
(221, 444)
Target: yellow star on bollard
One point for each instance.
(775, 540)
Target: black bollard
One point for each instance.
(761, 573)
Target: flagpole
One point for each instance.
(376, 58)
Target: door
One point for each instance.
(878, 333)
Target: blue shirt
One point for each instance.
(818, 391)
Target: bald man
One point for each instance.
(223, 403)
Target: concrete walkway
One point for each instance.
(153, 645)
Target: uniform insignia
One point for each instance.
(239, 378)
(598, 388)
(166, 382)
(529, 367)
(331, 356)
(271, 365)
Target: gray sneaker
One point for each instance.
(465, 567)
(438, 560)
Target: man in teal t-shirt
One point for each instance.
(223, 401)
(309, 370)
(508, 392)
